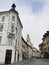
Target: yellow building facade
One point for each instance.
(26, 50)
(25, 53)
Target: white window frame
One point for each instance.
(12, 28)
(3, 18)
(1, 28)
(10, 40)
(13, 18)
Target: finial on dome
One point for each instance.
(13, 6)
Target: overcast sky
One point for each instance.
(34, 15)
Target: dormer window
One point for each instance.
(3, 18)
(13, 18)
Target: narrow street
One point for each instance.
(33, 61)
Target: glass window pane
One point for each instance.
(13, 18)
(10, 41)
(3, 18)
(12, 28)
(1, 27)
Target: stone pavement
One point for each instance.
(33, 61)
(23, 62)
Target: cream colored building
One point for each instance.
(30, 51)
(24, 49)
(10, 36)
(35, 52)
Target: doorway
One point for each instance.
(8, 56)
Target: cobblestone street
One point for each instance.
(33, 61)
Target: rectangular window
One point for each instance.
(48, 42)
(3, 18)
(10, 41)
(48, 48)
(0, 38)
(16, 44)
(16, 30)
(13, 18)
(1, 27)
(12, 28)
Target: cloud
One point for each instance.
(35, 23)
(35, 4)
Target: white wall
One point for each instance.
(7, 24)
(3, 53)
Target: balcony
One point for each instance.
(11, 35)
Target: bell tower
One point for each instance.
(28, 38)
